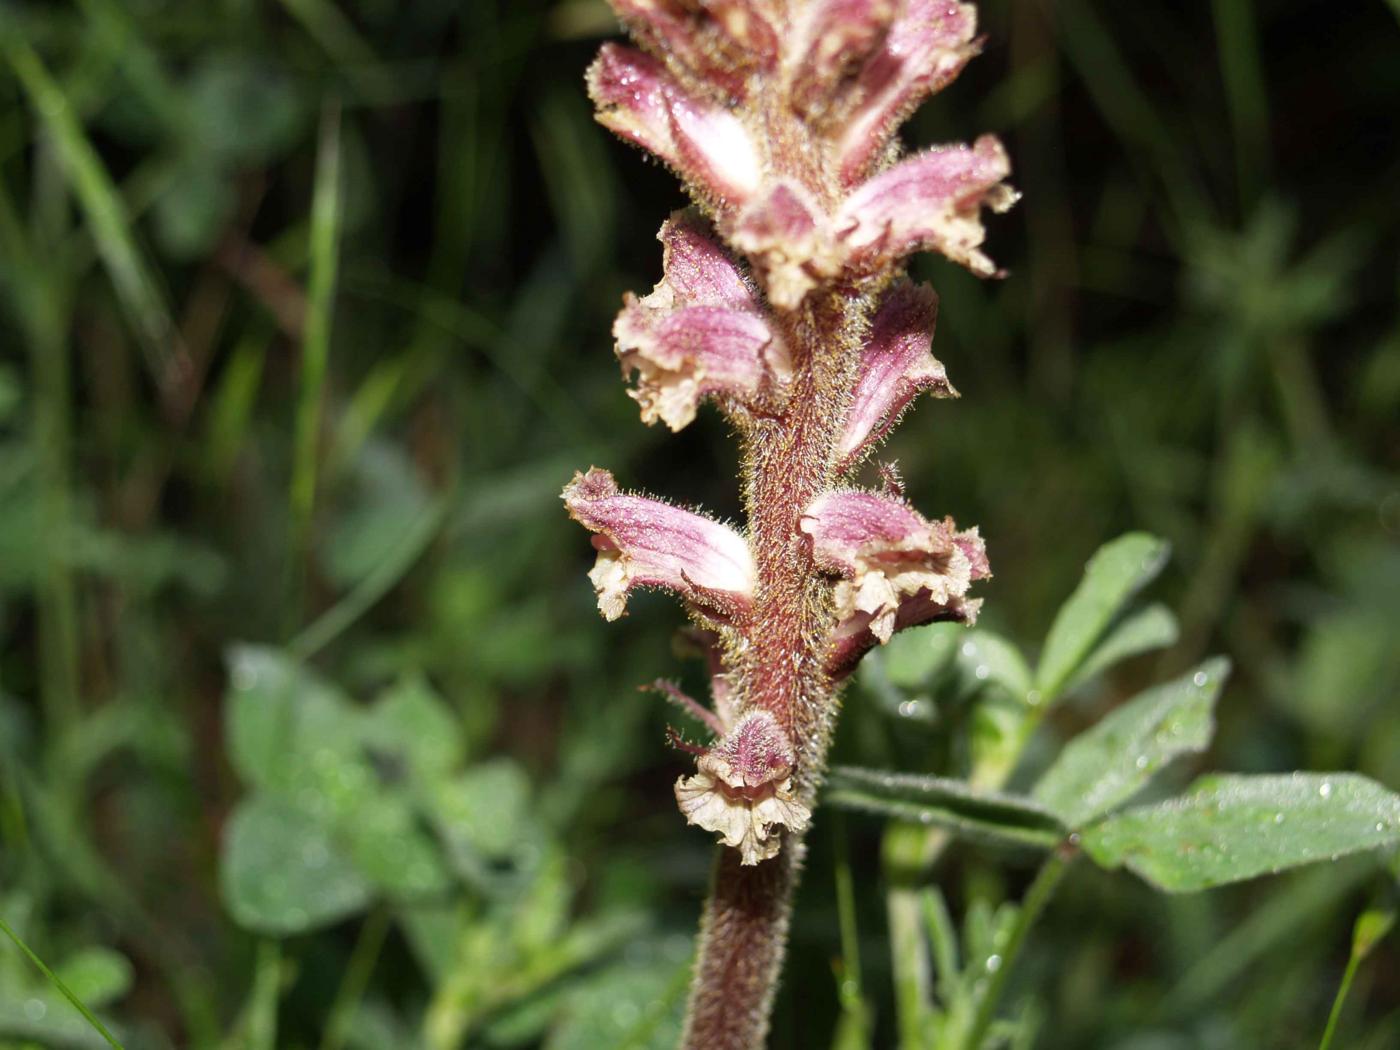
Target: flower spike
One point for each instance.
(646, 543)
(784, 300)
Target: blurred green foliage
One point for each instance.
(309, 733)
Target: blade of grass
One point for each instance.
(357, 974)
(1037, 897)
(338, 37)
(40, 305)
(63, 989)
(335, 620)
(137, 290)
(1245, 94)
(853, 1027)
(1129, 112)
(315, 349)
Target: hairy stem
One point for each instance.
(788, 462)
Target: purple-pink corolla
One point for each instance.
(783, 302)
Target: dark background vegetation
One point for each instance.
(230, 419)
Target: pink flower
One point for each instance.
(887, 556)
(925, 48)
(896, 366)
(719, 41)
(931, 201)
(743, 788)
(700, 333)
(646, 543)
(832, 38)
(703, 141)
(788, 238)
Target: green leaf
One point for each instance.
(914, 656)
(638, 1005)
(1141, 631)
(191, 215)
(244, 109)
(279, 713)
(483, 812)
(97, 976)
(412, 722)
(989, 657)
(386, 843)
(1118, 570)
(282, 873)
(1228, 828)
(1110, 762)
(952, 804)
(292, 734)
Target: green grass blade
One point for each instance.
(1245, 92)
(316, 337)
(137, 290)
(63, 989)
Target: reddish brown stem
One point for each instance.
(744, 935)
(788, 462)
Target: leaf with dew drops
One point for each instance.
(1117, 571)
(1232, 827)
(1110, 762)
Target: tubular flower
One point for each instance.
(923, 50)
(642, 102)
(931, 201)
(783, 299)
(896, 366)
(886, 555)
(646, 543)
(743, 789)
(700, 333)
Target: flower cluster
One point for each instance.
(782, 302)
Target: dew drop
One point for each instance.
(245, 675)
(1199, 679)
(625, 1014)
(969, 648)
(993, 963)
(1325, 790)
(1141, 762)
(1278, 818)
(1033, 697)
(982, 672)
(35, 1009)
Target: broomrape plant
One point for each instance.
(783, 301)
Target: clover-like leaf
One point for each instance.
(283, 873)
